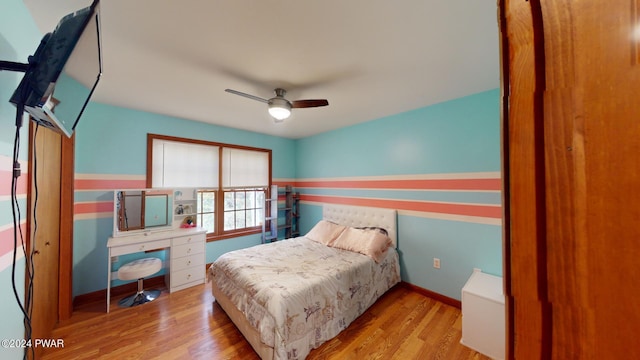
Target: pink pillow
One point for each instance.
(370, 242)
(325, 232)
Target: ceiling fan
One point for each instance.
(279, 107)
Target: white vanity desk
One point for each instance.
(185, 255)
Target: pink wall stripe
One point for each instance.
(421, 206)
(5, 182)
(407, 184)
(283, 183)
(102, 184)
(6, 239)
(93, 207)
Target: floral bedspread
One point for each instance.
(299, 293)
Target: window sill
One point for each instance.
(229, 235)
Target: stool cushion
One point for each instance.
(139, 269)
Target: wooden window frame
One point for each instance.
(219, 233)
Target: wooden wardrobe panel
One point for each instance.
(564, 168)
(587, 231)
(612, 149)
(591, 103)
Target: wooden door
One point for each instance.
(571, 123)
(45, 230)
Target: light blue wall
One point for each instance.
(19, 38)
(461, 135)
(113, 141)
(455, 137)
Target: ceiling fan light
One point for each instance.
(279, 109)
(279, 113)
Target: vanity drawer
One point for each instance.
(145, 246)
(192, 274)
(191, 239)
(195, 260)
(187, 249)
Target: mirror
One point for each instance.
(142, 210)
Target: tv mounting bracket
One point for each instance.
(14, 66)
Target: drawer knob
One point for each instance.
(189, 262)
(188, 250)
(189, 276)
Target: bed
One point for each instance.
(290, 296)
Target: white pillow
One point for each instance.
(325, 232)
(370, 242)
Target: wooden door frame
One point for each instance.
(65, 255)
(67, 189)
(524, 188)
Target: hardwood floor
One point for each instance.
(190, 324)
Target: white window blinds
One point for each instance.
(244, 168)
(181, 164)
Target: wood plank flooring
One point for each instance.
(189, 324)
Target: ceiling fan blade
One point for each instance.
(253, 97)
(309, 103)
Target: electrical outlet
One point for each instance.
(436, 263)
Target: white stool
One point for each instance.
(139, 269)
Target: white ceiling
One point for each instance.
(369, 58)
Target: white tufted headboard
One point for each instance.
(360, 216)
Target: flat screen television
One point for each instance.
(63, 72)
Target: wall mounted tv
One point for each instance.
(63, 73)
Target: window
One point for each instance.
(232, 181)
(206, 210)
(243, 208)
